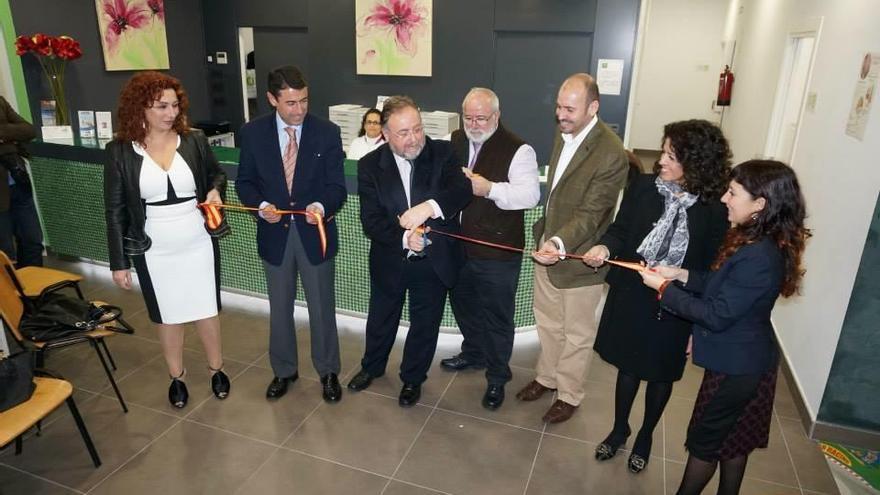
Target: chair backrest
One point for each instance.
(11, 305)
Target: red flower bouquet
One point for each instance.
(52, 52)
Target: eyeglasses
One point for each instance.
(371, 122)
(406, 133)
(479, 119)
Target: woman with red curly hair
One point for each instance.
(158, 170)
(730, 307)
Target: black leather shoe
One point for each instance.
(177, 393)
(494, 397)
(278, 387)
(459, 362)
(409, 395)
(361, 381)
(220, 384)
(331, 390)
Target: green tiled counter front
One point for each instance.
(71, 204)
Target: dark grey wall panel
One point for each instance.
(274, 47)
(274, 13)
(852, 394)
(615, 37)
(544, 41)
(545, 15)
(527, 80)
(224, 81)
(88, 85)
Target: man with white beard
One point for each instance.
(503, 171)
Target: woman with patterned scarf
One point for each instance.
(670, 217)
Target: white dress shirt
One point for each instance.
(283, 141)
(522, 190)
(404, 168)
(362, 145)
(569, 147)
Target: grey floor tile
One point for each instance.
(81, 366)
(595, 417)
(401, 488)
(247, 412)
(60, 455)
(470, 448)
(465, 395)
(809, 461)
(773, 463)
(242, 340)
(349, 360)
(784, 403)
(148, 386)
(566, 467)
(750, 486)
(16, 482)
(364, 430)
(289, 472)
(189, 459)
(389, 384)
(676, 418)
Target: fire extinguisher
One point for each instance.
(725, 87)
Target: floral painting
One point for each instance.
(133, 34)
(394, 37)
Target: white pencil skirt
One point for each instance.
(180, 274)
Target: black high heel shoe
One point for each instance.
(219, 383)
(609, 447)
(177, 392)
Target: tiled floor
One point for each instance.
(365, 444)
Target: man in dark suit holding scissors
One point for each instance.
(407, 183)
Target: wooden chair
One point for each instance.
(12, 309)
(48, 396)
(33, 280)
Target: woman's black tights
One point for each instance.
(698, 473)
(656, 396)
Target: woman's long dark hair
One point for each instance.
(782, 218)
(364, 120)
(704, 154)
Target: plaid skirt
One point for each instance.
(732, 415)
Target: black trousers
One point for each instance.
(427, 298)
(484, 300)
(21, 236)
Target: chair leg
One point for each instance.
(109, 374)
(79, 292)
(83, 431)
(40, 359)
(107, 351)
(18, 444)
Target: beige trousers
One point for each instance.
(566, 321)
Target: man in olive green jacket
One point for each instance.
(588, 168)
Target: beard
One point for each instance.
(479, 137)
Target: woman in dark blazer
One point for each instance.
(730, 308)
(672, 217)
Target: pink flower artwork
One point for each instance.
(133, 34)
(121, 17)
(394, 37)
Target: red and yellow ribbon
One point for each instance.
(630, 265)
(212, 213)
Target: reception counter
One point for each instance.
(68, 181)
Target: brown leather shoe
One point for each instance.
(532, 391)
(560, 411)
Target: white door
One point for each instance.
(790, 96)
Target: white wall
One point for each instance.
(840, 175)
(681, 57)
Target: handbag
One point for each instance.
(58, 315)
(16, 379)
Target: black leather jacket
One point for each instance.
(123, 206)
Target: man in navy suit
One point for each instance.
(292, 160)
(407, 183)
